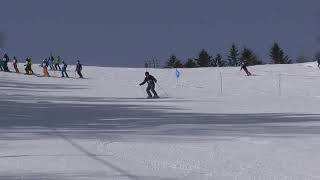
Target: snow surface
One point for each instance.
(263, 127)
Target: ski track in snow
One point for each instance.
(102, 127)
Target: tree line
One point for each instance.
(234, 58)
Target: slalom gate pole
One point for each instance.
(280, 87)
(221, 84)
(163, 90)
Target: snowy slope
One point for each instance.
(213, 123)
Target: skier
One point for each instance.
(79, 69)
(50, 61)
(64, 69)
(1, 64)
(318, 60)
(5, 63)
(44, 65)
(244, 66)
(28, 66)
(151, 85)
(57, 63)
(15, 64)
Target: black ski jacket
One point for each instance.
(79, 67)
(244, 67)
(6, 57)
(150, 80)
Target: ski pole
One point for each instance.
(163, 90)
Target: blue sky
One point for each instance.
(128, 32)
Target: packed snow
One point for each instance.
(210, 124)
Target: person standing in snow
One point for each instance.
(151, 85)
(244, 66)
(79, 69)
(57, 63)
(28, 66)
(5, 62)
(15, 64)
(50, 61)
(64, 69)
(44, 65)
(318, 60)
(1, 64)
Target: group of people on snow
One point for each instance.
(151, 81)
(52, 62)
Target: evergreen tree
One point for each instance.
(219, 62)
(277, 55)
(204, 59)
(190, 64)
(234, 56)
(249, 57)
(178, 64)
(173, 62)
(213, 62)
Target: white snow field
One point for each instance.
(263, 127)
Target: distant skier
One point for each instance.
(5, 63)
(57, 63)
(50, 61)
(79, 69)
(44, 65)
(28, 65)
(15, 64)
(151, 85)
(318, 60)
(244, 66)
(64, 69)
(1, 64)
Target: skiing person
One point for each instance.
(151, 85)
(44, 65)
(5, 63)
(79, 69)
(56, 63)
(244, 66)
(15, 64)
(64, 69)
(50, 61)
(318, 60)
(1, 64)
(28, 66)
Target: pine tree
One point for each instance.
(249, 57)
(178, 64)
(190, 64)
(213, 62)
(277, 55)
(204, 59)
(219, 62)
(173, 62)
(234, 56)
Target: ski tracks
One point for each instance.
(94, 157)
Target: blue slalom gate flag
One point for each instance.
(177, 73)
